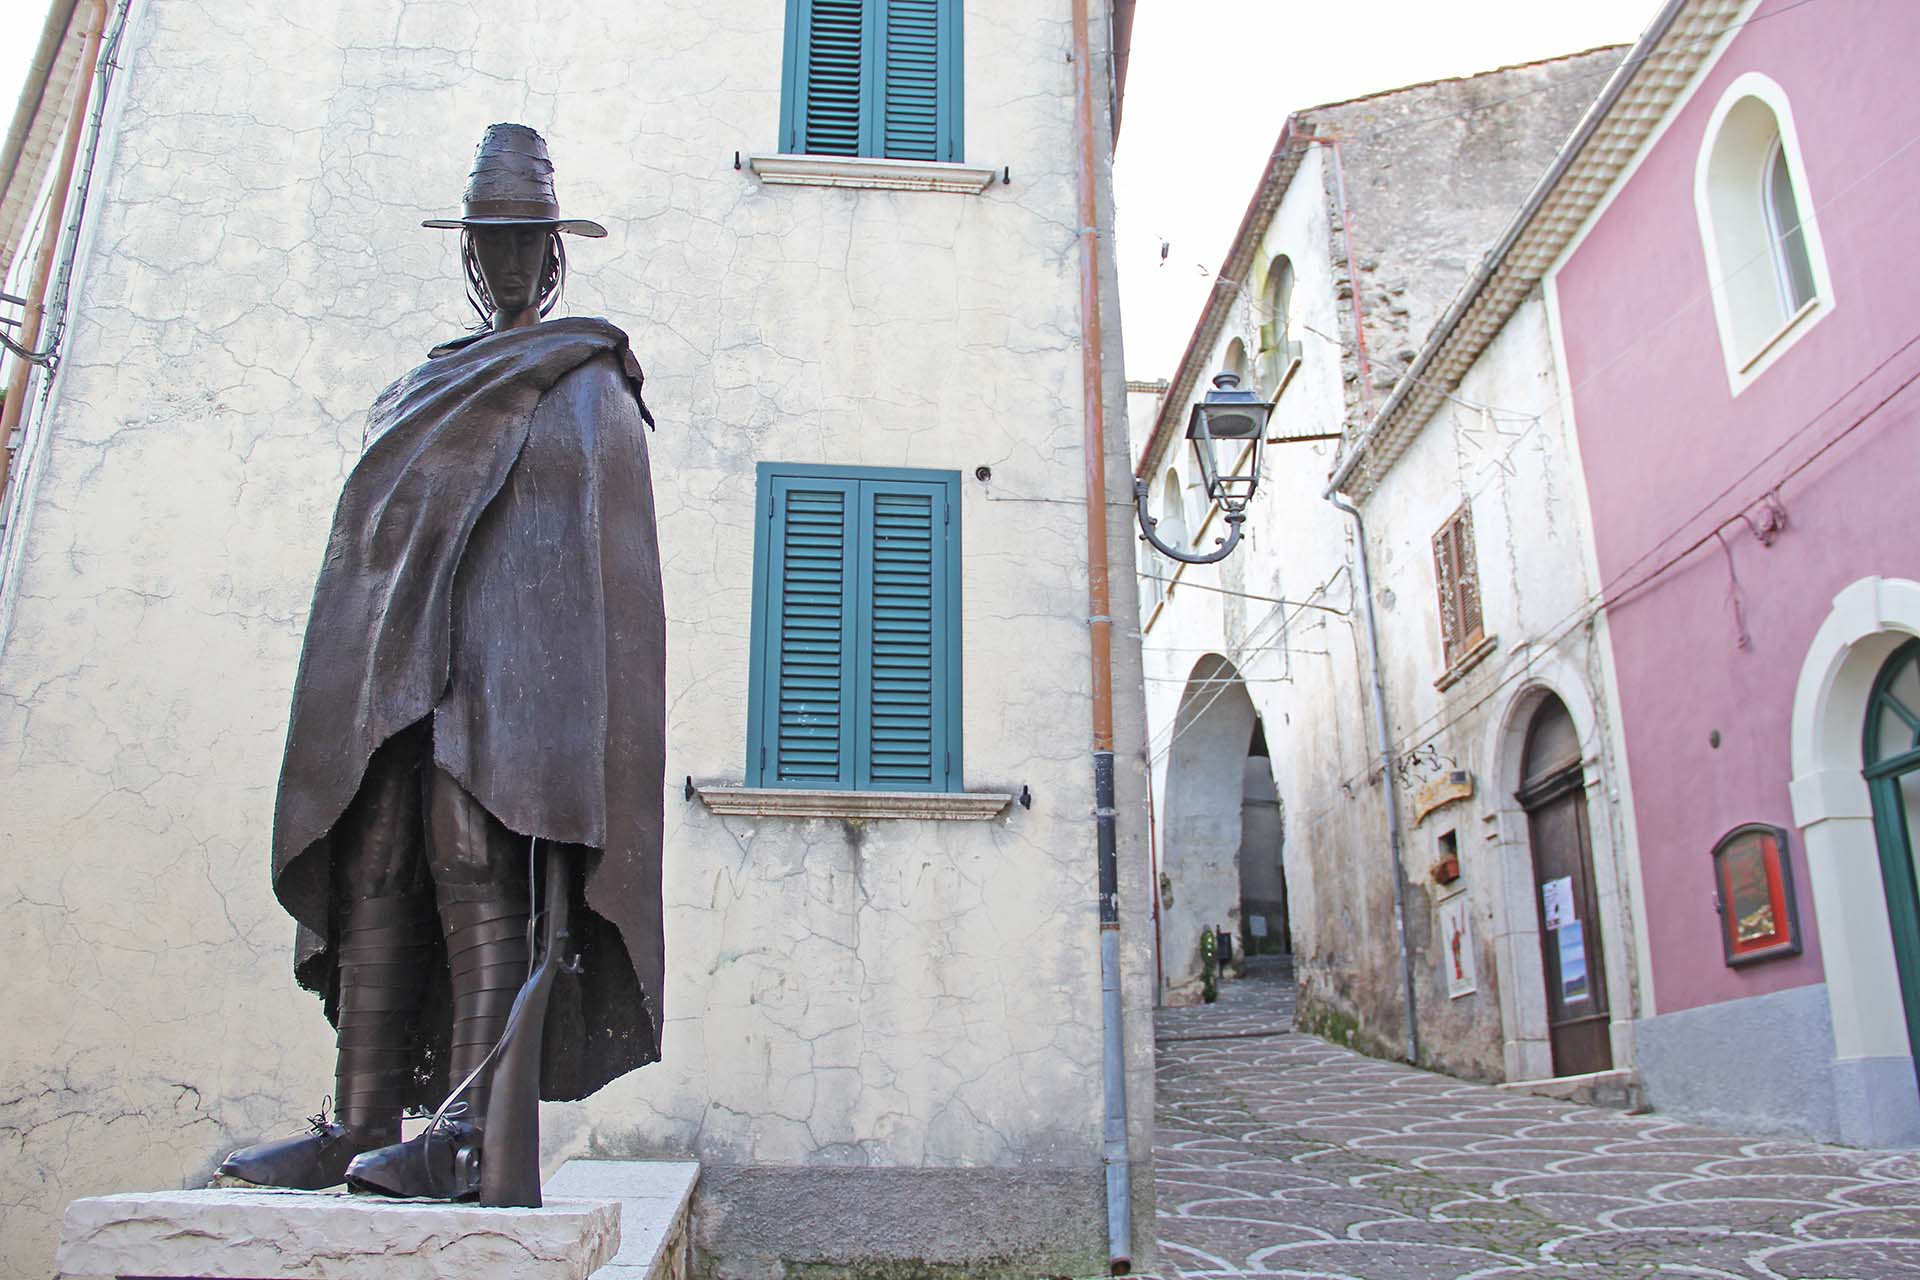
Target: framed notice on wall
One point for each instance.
(1456, 946)
(1753, 892)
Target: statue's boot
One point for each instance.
(383, 949)
(486, 929)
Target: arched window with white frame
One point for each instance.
(1278, 349)
(1764, 259)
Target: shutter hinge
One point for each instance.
(946, 515)
(763, 758)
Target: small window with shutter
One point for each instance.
(872, 78)
(856, 636)
(1458, 577)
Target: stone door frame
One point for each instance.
(1876, 1100)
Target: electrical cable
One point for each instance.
(1550, 636)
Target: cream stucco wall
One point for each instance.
(897, 995)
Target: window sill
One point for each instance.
(1466, 662)
(871, 172)
(792, 802)
(1748, 368)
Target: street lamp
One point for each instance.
(1226, 416)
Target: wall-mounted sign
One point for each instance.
(1573, 962)
(1556, 902)
(1753, 892)
(1456, 784)
(1456, 945)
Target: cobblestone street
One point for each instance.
(1279, 1154)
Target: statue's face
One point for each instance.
(512, 262)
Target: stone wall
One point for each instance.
(1433, 173)
(915, 997)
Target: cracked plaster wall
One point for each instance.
(907, 994)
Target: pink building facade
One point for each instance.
(1740, 331)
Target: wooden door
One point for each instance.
(1572, 957)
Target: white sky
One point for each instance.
(1209, 85)
(20, 23)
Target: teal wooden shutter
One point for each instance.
(873, 78)
(809, 593)
(910, 106)
(831, 77)
(856, 629)
(904, 662)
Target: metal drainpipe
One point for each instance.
(1118, 1158)
(50, 238)
(1383, 740)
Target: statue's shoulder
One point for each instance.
(620, 348)
(574, 346)
(461, 343)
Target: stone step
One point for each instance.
(653, 1196)
(1617, 1089)
(331, 1235)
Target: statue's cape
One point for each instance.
(494, 567)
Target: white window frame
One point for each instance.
(1747, 360)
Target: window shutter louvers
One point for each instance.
(1443, 578)
(910, 110)
(855, 635)
(901, 729)
(873, 78)
(1457, 576)
(1467, 576)
(836, 77)
(812, 608)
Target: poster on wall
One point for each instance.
(1456, 945)
(1573, 962)
(1556, 902)
(1753, 892)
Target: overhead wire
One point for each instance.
(1237, 654)
(1549, 636)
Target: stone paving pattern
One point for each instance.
(1279, 1154)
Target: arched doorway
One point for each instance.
(1553, 793)
(1891, 754)
(1205, 785)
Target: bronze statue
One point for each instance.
(476, 752)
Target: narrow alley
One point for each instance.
(1279, 1154)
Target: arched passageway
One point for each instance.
(1206, 784)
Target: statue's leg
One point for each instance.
(381, 952)
(480, 876)
(479, 872)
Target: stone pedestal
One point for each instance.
(319, 1235)
(655, 1199)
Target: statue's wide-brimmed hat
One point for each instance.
(512, 186)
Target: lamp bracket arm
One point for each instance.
(1234, 520)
